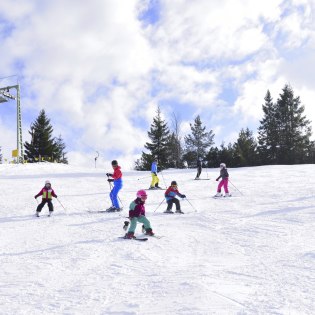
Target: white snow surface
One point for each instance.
(253, 253)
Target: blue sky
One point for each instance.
(100, 80)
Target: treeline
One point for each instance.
(43, 146)
(283, 138)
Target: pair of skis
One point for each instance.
(141, 239)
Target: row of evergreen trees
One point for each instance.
(43, 146)
(283, 138)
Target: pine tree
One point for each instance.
(42, 146)
(294, 129)
(268, 137)
(227, 155)
(174, 145)
(199, 140)
(212, 157)
(245, 149)
(60, 154)
(173, 151)
(158, 147)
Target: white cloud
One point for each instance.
(93, 66)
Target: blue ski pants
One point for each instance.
(114, 192)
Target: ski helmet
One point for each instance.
(114, 162)
(222, 165)
(141, 194)
(174, 183)
(47, 182)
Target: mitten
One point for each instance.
(125, 227)
(110, 180)
(183, 196)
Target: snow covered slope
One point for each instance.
(248, 254)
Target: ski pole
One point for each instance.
(143, 177)
(163, 179)
(62, 205)
(159, 205)
(207, 173)
(236, 188)
(191, 205)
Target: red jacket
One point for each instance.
(117, 173)
(47, 194)
(171, 193)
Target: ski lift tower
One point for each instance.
(5, 95)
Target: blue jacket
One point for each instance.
(154, 167)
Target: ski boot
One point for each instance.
(37, 214)
(149, 232)
(218, 194)
(179, 211)
(129, 235)
(111, 209)
(168, 211)
(50, 213)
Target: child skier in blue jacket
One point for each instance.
(170, 196)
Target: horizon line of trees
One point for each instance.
(283, 138)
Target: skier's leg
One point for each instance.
(170, 204)
(177, 203)
(225, 185)
(40, 206)
(220, 185)
(133, 225)
(114, 194)
(153, 180)
(50, 206)
(145, 222)
(146, 225)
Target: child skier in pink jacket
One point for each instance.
(47, 193)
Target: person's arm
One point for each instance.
(180, 195)
(40, 193)
(53, 194)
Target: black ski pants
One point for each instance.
(42, 204)
(199, 170)
(170, 204)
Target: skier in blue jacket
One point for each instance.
(155, 179)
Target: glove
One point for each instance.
(35, 197)
(56, 196)
(183, 196)
(110, 180)
(109, 174)
(125, 227)
(217, 179)
(155, 173)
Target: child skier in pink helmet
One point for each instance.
(47, 193)
(137, 214)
